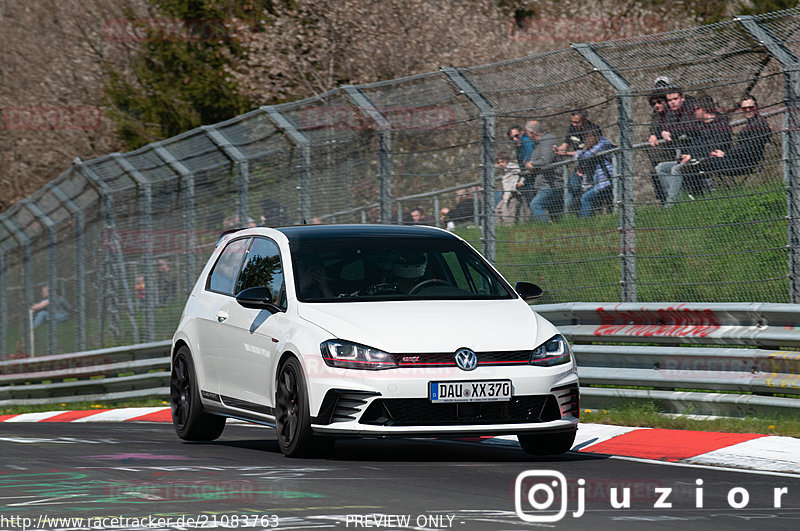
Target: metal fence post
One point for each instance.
(80, 268)
(790, 142)
(147, 227)
(3, 304)
(625, 169)
(189, 221)
(303, 146)
(487, 157)
(118, 263)
(27, 275)
(384, 128)
(52, 271)
(242, 169)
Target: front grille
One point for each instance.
(422, 412)
(448, 359)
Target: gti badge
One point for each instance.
(466, 359)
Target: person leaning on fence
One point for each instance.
(679, 122)
(597, 171)
(575, 140)
(505, 211)
(747, 155)
(710, 136)
(41, 310)
(549, 197)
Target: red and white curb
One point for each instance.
(736, 450)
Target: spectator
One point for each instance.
(164, 281)
(464, 210)
(525, 147)
(748, 153)
(506, 210)
(139, 291)
(41, 310)
(712, 133)
(417, 217)
(597, 171)
(549, 196)
(659, 150)
(680, 120)
(575, 140)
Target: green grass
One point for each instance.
(728, 246)
(648, 415)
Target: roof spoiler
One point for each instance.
(229, 231)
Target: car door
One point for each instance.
(213, 333)
(247, 358)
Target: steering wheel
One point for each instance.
(426, 283)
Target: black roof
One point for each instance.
(313, 232)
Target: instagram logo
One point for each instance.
(541, 496)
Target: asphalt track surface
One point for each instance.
(141, 476)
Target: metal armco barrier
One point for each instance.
(665, 347)
(137, 371)
(720, 359)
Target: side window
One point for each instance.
(262, 267)
(223, 276)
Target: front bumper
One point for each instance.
(395, 403)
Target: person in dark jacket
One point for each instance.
(712, 132)
(748, 153)
(660, 150)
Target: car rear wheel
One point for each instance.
(191, 422)
(292, 418)
(547, 443)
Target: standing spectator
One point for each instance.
(711, 134)
(660, 150)
(549, 196)
(597, 171)
(748, 153)
(524, 150)
(574, 140)
(41, 310)
(139, 291)
(164, 281)
(506, 210)
(418, 217)
(464, 210)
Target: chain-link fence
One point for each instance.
(114, 244)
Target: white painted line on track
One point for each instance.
(34, 417)
(778, 454)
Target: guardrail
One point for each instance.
(664, 353)
(713, 359)
(137, 371)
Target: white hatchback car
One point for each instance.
(331, 331)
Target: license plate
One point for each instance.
(471, 391)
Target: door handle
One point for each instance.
(221, 316)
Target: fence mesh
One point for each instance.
(116, 243)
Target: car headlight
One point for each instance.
(554, 351)
(354, 356)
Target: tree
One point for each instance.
(180, 77)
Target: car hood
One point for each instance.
(432, 326)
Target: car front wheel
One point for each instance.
(547, 443)
(292, 418)
(191, 422)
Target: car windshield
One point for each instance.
(348, 269)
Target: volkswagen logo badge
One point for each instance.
(466, 359)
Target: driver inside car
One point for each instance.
(408, 268)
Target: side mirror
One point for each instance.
(257, 298)
(528, 291)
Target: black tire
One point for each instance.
(292, 418)
(191, 422)
(547, 443)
